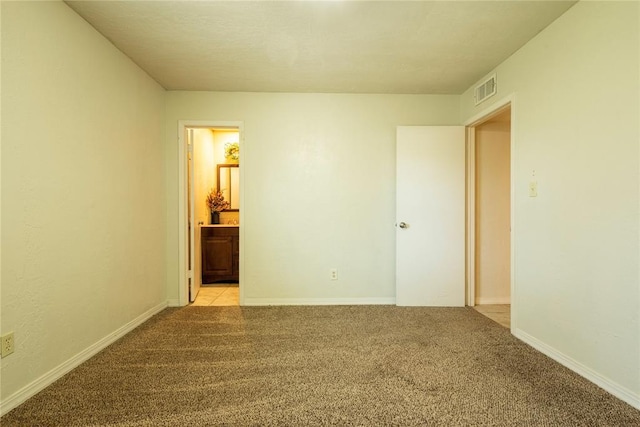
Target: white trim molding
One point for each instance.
(319, 301)
(471, 215)
(500, 300)
(470, 124)
(59, 371)
(615, 389)
(491, 111)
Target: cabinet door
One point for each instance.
(236, 256)
(217, 256)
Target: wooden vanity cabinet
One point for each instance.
(220, 253)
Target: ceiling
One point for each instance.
(412, 47)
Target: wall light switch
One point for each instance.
(533, 189)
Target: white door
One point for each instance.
(430, 215)
(194, 282)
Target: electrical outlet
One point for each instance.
(333, 274)
(7, 344)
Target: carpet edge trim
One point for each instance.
(605, 383)
(39, 384)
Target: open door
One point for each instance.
(430, 214)
(189, 214)
(194, 283)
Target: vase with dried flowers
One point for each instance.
(216, 204)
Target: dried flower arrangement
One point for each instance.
(216, 201)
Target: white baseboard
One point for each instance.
(173, 303)
(319, 301)
(498, 300)
(47, 379)
(615, 389)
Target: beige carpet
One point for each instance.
(348, 365)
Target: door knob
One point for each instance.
(403, 225)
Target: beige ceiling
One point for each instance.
(422, 47)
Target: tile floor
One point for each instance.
(218, 295)
(500, 313)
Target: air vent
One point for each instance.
(486, 89)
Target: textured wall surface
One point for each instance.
(82, 189)
(576, 244)
(319, 188)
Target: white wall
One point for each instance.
(83, 200)
(493, 210)
(576, 114)
(318, 181)
(204, 173)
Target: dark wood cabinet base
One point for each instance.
(220, 254)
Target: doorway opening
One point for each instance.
(210, 187)
(489, 216)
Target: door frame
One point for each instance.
(183, 241)
(191, 238)
(471, 124)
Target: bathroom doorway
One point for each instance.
(210, 200)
